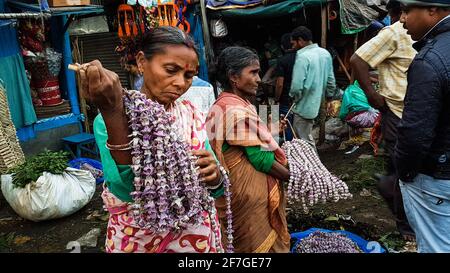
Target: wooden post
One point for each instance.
(77, 56)
(323, 37)
(355, 43)
(209, 53)
(344, 68)
(323, 43)
(207, 39)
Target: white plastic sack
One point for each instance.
(51, 196)
(333, 125)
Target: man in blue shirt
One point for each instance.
(312, 81)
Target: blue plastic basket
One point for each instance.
(365, 246)
(77, 162)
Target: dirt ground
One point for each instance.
(19, 235)
(366, 214)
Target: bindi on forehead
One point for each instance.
(191, 67)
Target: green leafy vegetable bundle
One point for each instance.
(33, 167)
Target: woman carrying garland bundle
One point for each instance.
(168, 62)
(245, 147)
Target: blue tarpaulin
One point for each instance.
(13, 77)
(365, 246)
(194, 19)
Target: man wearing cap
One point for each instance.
(422, 152)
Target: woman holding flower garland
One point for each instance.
(168, 62)
(245, 147)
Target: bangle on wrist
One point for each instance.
(215, 187)
(118, 147)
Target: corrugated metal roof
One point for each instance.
(101, 46)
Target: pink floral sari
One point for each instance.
(125, 236)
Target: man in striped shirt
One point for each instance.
(391, 52)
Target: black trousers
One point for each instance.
(389, 186)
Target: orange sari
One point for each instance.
(258, 202)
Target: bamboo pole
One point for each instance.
(343, 67)
(77, 57)
(324, 15)
(323, 43)
(206, 37)
(24, 15)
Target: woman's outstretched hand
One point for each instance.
(101, 86)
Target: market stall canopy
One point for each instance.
(276, 10)
(357, 15)
(75, 10)
(231, 4)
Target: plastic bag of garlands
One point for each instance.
(51, 196)
(44, 65)
(53, 61)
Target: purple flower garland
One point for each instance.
(168, 194)
(228, 212)
(310, 181)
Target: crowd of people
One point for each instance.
(413, 60)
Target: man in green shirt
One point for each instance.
(312, 81)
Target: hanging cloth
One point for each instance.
(12, 73)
